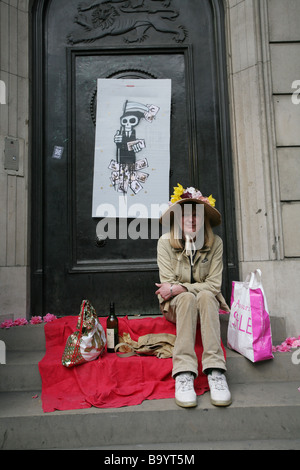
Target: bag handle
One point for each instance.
(80, 334)
(254, 278)
(126, 354)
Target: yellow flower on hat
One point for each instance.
(181, 193)
(212, 201)
(178, 191)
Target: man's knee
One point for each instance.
(186, 302)
(186, 306)
(186, 297)
(206, 297)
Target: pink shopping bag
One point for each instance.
(249, 329)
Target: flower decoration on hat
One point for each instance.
(181, 193)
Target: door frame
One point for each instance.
(38, 12)
(72, 53)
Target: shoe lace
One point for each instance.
(218, 382)
(185, 382)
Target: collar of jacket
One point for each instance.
(199, 253)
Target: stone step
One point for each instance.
(24, 338)
(260, 411)
(32, 337)
(160, 452)
(263, 393)
(21, 373)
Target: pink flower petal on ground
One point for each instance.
(49, 317)
(35, 396)
(290, 341)
(20, 322)
(36, 320)
(287, 345)
(283, 347)
(7, 324)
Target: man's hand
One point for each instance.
(165, 290)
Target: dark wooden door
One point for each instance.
(74, 44)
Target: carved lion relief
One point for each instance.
(131, 18)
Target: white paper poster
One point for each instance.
(132, 147)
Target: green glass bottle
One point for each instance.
(112, 329)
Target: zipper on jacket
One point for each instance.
(191, 265)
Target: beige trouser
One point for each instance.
(184, 310)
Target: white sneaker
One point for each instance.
(219, 391)
(185, 394)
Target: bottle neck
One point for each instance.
(112, 309)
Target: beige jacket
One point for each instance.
(175, 267)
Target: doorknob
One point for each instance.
(100, 241)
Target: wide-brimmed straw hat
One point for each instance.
(192, 195)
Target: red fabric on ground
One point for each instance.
(109, 381)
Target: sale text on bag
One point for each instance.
(242, 322)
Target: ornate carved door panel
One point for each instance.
(74, 45)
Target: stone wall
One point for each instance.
(262, 48)
(14, 120)
(284, 23)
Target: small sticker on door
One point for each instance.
(57, 152)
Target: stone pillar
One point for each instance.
(264, 126)
(14, 120)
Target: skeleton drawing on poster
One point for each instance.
(132, 146)
(127, 170)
